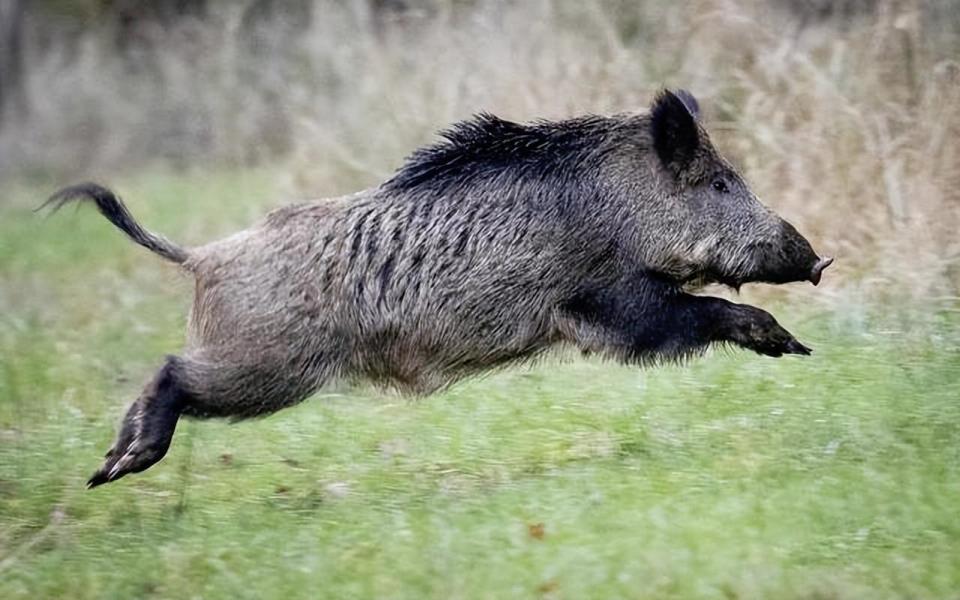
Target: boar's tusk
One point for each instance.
(818, 268)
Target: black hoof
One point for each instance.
(146, 431)
(138, 457)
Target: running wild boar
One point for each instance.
(484, 249)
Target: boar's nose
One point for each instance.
(818, 268)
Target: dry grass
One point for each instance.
(848, 124)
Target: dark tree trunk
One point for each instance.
(13, 101)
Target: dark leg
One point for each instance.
(147, 429)
(754, 329)
(644, 318)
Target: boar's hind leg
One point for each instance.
(147, 428)
(200, 385)
(223, 387)
(642, 318)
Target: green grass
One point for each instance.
(834, 476)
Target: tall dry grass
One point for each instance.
(847, 122)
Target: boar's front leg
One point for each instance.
(643, 318)
(752, 328)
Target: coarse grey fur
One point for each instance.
(485, 249)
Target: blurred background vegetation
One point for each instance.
(833, 476)
(844, 113)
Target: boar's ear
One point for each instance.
(676, 137)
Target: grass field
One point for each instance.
(834, 476)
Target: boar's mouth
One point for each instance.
(807, 270)
(813, 274)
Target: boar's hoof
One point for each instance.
(757, 330)
(147, 428)
(143, 441)
(795, 347)
(778, 343)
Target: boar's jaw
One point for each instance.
(778, 271)
(701, 280)
(764, 271)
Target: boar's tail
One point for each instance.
(116, 212)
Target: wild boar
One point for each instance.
(484, 249)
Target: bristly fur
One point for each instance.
(484, 250)
(487, 146)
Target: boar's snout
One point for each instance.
(801, 262)
(818, 268)
(790, 258)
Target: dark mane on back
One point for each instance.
(488, 145)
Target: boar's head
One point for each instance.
(699, 219)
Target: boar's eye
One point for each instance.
(721, 186)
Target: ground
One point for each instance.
(736, 476)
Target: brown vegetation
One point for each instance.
(844, 115)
